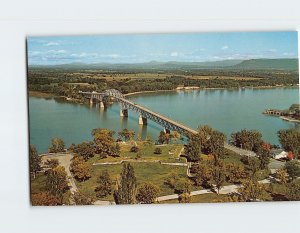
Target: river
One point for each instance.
(227, 110)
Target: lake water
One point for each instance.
(225, 110)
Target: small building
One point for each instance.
(279, 154)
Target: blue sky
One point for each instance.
(194, 47)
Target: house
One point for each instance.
(279, 154)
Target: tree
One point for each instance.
(84, 149)
(52, 163)
(45, 199)
(293, 169)
(293, 191)
(126, 188)
(147, 193)
(56, 181)
(163, 137)
(247, 139)
(35, 161)
(235, 173)
(203, 173)
(104, 187)
(81, 199)
(251, 190)
(127, 134)
(219, 177)
(193, 148)
(184, 198)
(148, 140)
(264, 157)
(157, 151)
(282, 176)
(253, 164)
(57, 145)
(175, 136)
(182, 185)
(80, 169)
(105, 144)
(171, 180)
(290, 140)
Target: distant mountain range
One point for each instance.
(252, 64)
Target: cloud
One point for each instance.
(174, 54)
(61, 51)
(51, 44)
(225, 47)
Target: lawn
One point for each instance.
(144, 172)
(203, 198)
(169, 154)
(38, 185)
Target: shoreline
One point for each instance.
(189, 88)
(289, 119)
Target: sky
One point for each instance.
(192, 47)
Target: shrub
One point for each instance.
(134, 149)
(157, 151)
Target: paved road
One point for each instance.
(64, 160)
(225, 190)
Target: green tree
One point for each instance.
(52, 163)
(80, 169)
(175, 136)
(251, 190)
(290, 140)
(105, 145)
(127, 134)
(182, 185)
(57, 145)
(104, 187)
(203, 173)
(282, 176)
(193, 148)
(247, 139)
(163, 137)
(219, 177)
(126, 188)
(81, 199)
(56, 181)
(84, 149)
(35, 161)
(184, 198)
(293, 169)
(147, 193)
(293, 191)
(45, 199)
(157, 151)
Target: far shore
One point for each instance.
(189, 88)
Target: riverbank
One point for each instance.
(289, 119)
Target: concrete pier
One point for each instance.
(101, 104)
(142, 120)
(124, 112)
(167, 131)
(91, 101)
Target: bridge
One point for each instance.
(145, 113)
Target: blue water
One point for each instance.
(225, 110)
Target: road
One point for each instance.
(225, 190)
(64, 160)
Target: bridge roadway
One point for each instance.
(146, 113)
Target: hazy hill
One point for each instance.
(252, 64)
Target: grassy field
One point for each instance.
(144, 172)
(170, 154)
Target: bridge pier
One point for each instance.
(124, 112)
(167, 131)
(101, 104)
(91, 100)
(142, 120)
